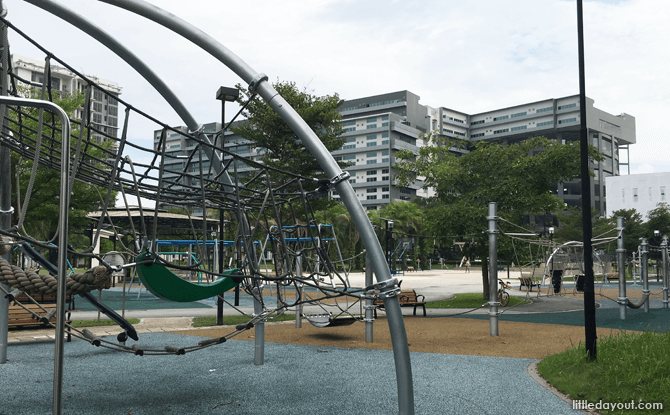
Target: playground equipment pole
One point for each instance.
(259, 334)
(5, 188)
(644, 270)
(369, 302)
(298, 274)
(493, 268)
(621, 261)
(664, 253)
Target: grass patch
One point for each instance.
(630, 368)
(96, 323)
(470, 300)
(234, 320)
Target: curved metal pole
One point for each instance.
(62, 236)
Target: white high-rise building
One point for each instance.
(104, 106)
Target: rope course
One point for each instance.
(265, 204)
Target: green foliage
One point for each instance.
(631, 367)
(634, 229)
(278, 144)
(658, 220)
(571, 228)
(42, 213)
(518, 177)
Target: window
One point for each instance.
(405, 191)
(373, 154)
(371, 172)
(502, 117)
(372, 119)
(97, 107)
(373, 161)
(348, 123)
(563, 107)
(567, 120)
(385, 160)
(385, 171)
(385, 124)
(371, 179)
(385, 118)
(385, 189)
(385, 178)
(385, 153)
(386, 196)
(371, 126)
(478, 122)
(348, 147)
(385, 142)
(521, 127)
(372, 197)
(372, 190)
(544, 124)
(477, 135)
(546, 109)
(650, 194)
(385, 135)
(350, 129)
(662, 193)
(352, 181)
(371, 137)
(518, 114)
(372, 144)
(504, 130)
(635, 194)
(97, 95)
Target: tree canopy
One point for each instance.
(519, 177)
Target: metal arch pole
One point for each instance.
(369, 302)
(644, 271)
(621, 262)
(62, 236)
(258, 83)
(493, 268)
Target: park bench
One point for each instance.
(407, 298)
(528, 282)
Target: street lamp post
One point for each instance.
(224, 94)
(389, 238)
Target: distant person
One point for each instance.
(467, 266)
(418, 264)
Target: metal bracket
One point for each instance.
(387, 289)
(368, 320)
(339, 178)
(256, 81)
(200, 129)
(10, 211)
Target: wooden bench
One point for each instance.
(407, 298)
(527, 282)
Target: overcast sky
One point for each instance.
(471, 56)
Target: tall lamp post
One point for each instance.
(389, 238)
(224, 94)
(657, 242)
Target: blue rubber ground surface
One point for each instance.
(295, 379)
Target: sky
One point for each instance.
(472, 56)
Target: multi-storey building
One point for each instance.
(642, 192)
(104, 106)
(376, 127)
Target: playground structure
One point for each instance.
(255, 201)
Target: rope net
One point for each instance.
(264, 210)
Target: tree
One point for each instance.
(278, 145)
(659, 220)
(41, 219)
(518, 177)
(571, 228)
(634, 228)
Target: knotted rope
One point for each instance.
(96, 278)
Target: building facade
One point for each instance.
(104, 106)
(376, 127)
(642, 192)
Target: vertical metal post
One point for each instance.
(259, 335)
(664, 253)
(621, 262)
(589, 290)
(493, 268)
(298, 274)
(644, 270)
(5, 187)
(369, 302)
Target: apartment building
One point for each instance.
(642, 192)
(104, 106)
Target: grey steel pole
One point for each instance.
(644, 270)
(5, 189)
(298, 309)
(258, 83)
(62, 236)
(369, 302)
(664, 253)
(493, 268)
(259, 335)
(621, 261)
